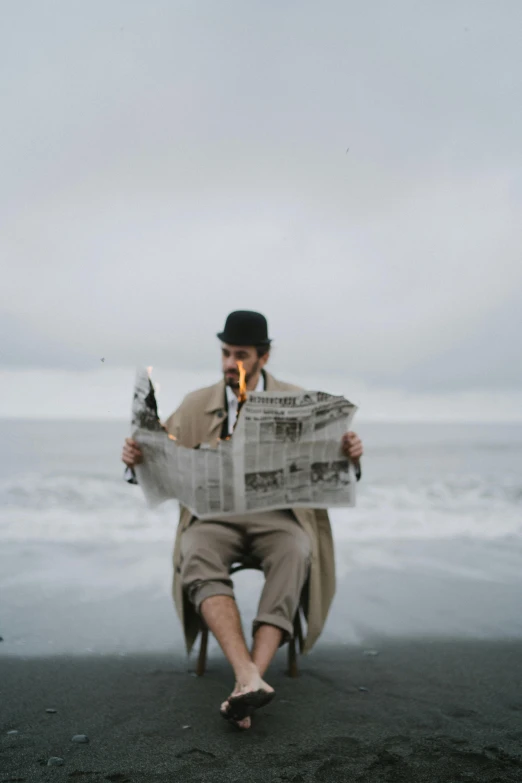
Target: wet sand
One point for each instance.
(425, 710)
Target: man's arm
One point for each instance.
(173, 423)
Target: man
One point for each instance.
(294, 547)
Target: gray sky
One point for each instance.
(353, 170)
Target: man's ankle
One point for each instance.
(246, 672)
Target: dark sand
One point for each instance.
(433, 711)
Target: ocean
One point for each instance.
(434, 545)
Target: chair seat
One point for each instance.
(248, 562)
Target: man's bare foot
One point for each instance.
(250, 693)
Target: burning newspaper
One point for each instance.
(285, 453)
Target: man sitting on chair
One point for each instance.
(293, 547)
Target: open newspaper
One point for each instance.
(285, 452)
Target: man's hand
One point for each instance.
(352, 446)
(131, 454)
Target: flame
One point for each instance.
(149, 371)
(172, 437)
(242, 382)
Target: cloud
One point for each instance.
(489, 358)
(376, 297)
(353, 171)
(23, 345)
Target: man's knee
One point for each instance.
(292, 550)
(198, 592)
(203, 570)
(201, 564)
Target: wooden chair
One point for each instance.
(293, 670)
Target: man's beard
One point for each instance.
(233, 380)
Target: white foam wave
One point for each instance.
(70, 508)
(462, 506)
(96, 509)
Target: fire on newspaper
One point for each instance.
(285, 453)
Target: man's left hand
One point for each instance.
(352, 446)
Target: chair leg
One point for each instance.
(202, 657)
(293, 670)
(298, 631)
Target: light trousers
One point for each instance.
(209, 548)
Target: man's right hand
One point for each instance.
(131, 454)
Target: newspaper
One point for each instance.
(285, 452)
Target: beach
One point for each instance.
(415, 711)
(416, 677)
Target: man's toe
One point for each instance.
(224, 709)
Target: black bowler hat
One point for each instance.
(245, 327)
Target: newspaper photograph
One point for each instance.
(285, 452)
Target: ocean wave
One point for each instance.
(69, 507)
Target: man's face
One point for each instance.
(232, 354)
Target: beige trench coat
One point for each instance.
(199, 419)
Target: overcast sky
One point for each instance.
(351, 169)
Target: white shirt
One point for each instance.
(233, 402)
